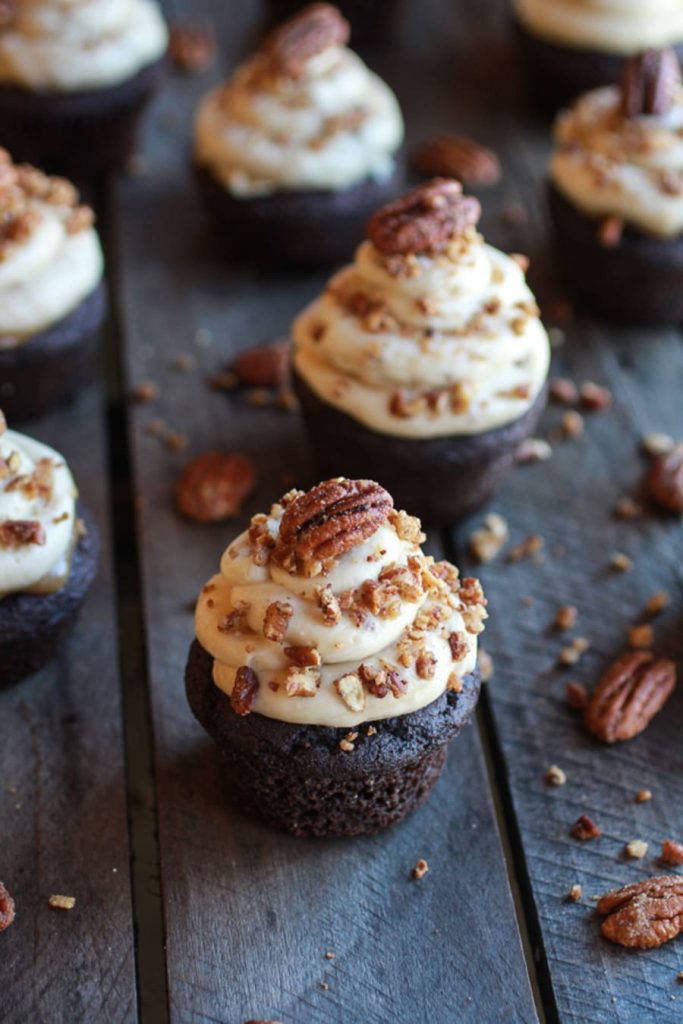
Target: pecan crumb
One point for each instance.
(627, 508)
(594, 397)
(571, 654)
(58, 902)
(302, 681)
(572, 424)
(610, 232)
(565, 617)
(17, 533)
(636, 849)
(657, 602)
(276, 620)
(530, 546)
(664, 481)
(555, 776)
(657, 444)
(672, 852)
(584, 828)
(640, 636)
(575, 893)
(244, 690)
(192, 48)
(620, 562)
(577, 696)
(533, 449)
(489, 539)
(350, 689)
(420, 869)
(563, 390)
(147, 391)
(643, 796)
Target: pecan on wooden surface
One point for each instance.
(7, 909)
(425, 219)
(664, 480)
(644, 914)
(457, 156)
(631, 692)
(244, 690)
(213, 486)
(192, 48)
(266, 366)
(312, 31)
(648, 82)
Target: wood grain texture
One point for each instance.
(251, 913)
(62, 795)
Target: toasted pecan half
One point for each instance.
(312, 31)
(631, 692)
(426, 219)
(648, 82)
(644, 914)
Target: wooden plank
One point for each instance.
(62, 795)
(250, 913)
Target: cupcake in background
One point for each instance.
(616, 193)
(334, 661)
(75, 78)
(49, 548)
(52, 294)
(424, 362)
(571, 46)
(298, 147)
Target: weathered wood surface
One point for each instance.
(250, 913)
(62, 794)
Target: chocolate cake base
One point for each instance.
(32, 626)
(640, 280)
(440, 479)
(371, 20)
(295, 228)
(558, 74)
(80, 134)
(299, 779)
(50, 367)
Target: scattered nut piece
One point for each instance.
(489, 539)
(563, 390)
(214, 485)
(7, 908)
(672, 852)
(184, 362)
(147, 391)
(555, 776)
(577, 696)
(530, 546)
(330, 956)
(656, 444)
(636, 849)
(224, 380)
(175, 441)
(62, 902)
(630, 693)
(594, 396)
(640, 637)
(485, 662)
(584, 828)
(244, 690)
(575, 893)
(350, 689)
(571, 654)
(420, 869)
(264, 367)
(620, 562)
(302, 681)
(643, 796)
(627, 508)
(657, 602)
(664, 481)
(566, 617)
(572, 424)
(276, 620)
(192, 48)
(533, 449)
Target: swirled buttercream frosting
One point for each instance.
(303, 113)
(326, 611)
(50, 255)
(441, 341)
(67, 45)
(609, 26)
(37, 516)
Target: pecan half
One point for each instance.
(457, 156)
(328, 520)
(17, 533)
(664, 481)
(7, 909)
(644, 914)
(244, 690)
(213, 486)
(427, 219)
(312, 31)
(631, 692)
(264, 367)
(648, 82)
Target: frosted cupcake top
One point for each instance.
(37, 516)
(50, 255)
(303, 113)
(610, 26)
(66, 45)
(429, 332)
(327, 612)
(620, 148)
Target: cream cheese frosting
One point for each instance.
(50, 255)
(621, 27)
(610, 165)
(430, 345)
(382, 617)
(333, 126)
(68, 45)
(37, 515)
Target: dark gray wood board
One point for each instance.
(250, 913)
(62, 793)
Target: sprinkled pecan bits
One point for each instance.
(18, 533)
(664, 481)
(7, 908)
(266, 366)
(644, 914)
(631, 692)
(427, 219)
(192, 48)
(648, 82)
(315, 29)
(213, 486)
(244, 690)
(457, 156)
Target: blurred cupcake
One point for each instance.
(616, 193)
(299, 146)
(74, 79)
(424, 362)
(334, 661)
(571, 46)
(52, 296)
(49, 548)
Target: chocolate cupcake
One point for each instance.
(49, 548)
(571, 46)
(616, 193)
(52, 296)
(75, 78)
(294, 151)
(424, 362)
(334, 661)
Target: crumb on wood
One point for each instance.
(555, 776)
(420, 869)
(643, 796)
(636, 849)
(58, 902)
(620, 562)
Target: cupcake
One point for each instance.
(49, 548)
(52, 296)
(74, 79)
(616, 193)
(294, 151)
(334, 661)
(423, 362)
(571, 46)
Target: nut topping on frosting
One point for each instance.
(332, 518)
(312, 31)
(649, 81)
(244, 691)
(426, 219)
(17, 533)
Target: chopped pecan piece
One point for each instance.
(458, 645)
(664, 481)
(649, 81)
(585, 828)
(302, 682)
(304, 657)
(7, 909)
(425, 665)
(244, 690)
(672, 852)
(329, 605)
(427, 219)
(408, 528)
(192, 47)
(644, 914)
(631, 692)
(420, 869)
(3, 422)
(350, 689)
(457, 156)
(265, 367)
(213, 486)
(313, 30)
(276, 620)
(17, 533)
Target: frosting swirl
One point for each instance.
(426, 345)
(66, 45)
(611, 26)
(332, 126)
(608, 164)
(380, 631)
(37, 515)
(50, 255)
